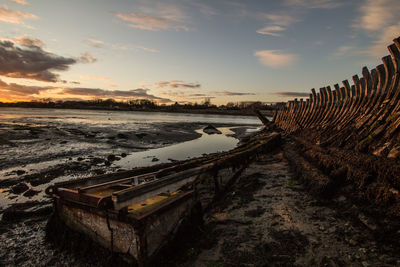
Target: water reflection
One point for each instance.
(206, 144)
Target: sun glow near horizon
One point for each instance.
(187, 51)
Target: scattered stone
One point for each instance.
(31, 192)
(155, 159)
(99, 171)
(117, 158)
(107, 163)
(63, 142)
(20, 172)
(80, 159)
(141, 135)
(367, 222)
(96, 161)
(122, 136)
(111, 157)
(123, 155)
(19, 188)
(211, 130)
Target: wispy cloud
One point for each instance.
(96, 92)
(271, 30)
(156, 18)
(177, 84)
(101, 44)
(87, 58)
(20, 2)
(275, 58)
(344, 50)
(94, 43)
(228, 93)
(13, 16)
(379, 19)
(314, 4)
(277, 23)
(292, 94)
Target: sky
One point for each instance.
(186, 50)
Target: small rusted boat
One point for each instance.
(135, 213)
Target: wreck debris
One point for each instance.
(350, 135)
(134, 213)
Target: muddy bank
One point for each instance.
(38, 155)
(270, 219)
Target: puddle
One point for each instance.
(206, 144)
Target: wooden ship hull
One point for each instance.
(136, 213)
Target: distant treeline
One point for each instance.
(145, 105)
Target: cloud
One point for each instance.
(344, 50)
(228, 93)
(13, 91)
(29, 42)
(379, 20)
(314, 4)
(21, 2)
(275, 58)
(95, 92)
(271, 30)
(277, 23)
(177, 84)
(87, 58)
(21, 90)
(31, 62)
(293, 94)
(16, 17)
(151, 23)
(94, 43)
(281, 19)
(100, 44)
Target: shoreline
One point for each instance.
(247, 112)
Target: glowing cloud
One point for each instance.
(151, 23)
(16, 17)
(275, 58)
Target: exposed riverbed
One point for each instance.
(42, 146)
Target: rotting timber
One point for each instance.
(347, 140)
(136, 213)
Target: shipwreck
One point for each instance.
(348, 137)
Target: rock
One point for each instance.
(367, 222)
(141, 135)
(211, 130)
(20, 172)
(31, 192)
(19, 188)
(123, 155)
(111, 157)
(99, 171)
(155, 159)
(122, 136)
